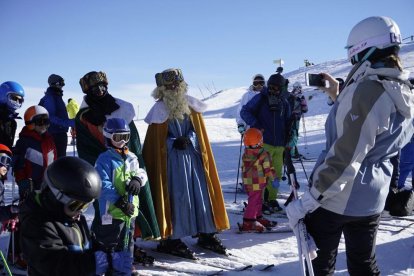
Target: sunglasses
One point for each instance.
(5, 160)
(273, 88)
(16, 98)
(169, 77)
(59, 84)
(41, 121)
(258, 83)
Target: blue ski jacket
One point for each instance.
(257, 113)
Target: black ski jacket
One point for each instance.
(52, 244)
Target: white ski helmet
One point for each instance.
(376, 32)
(297, 85)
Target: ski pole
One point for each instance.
(304, 132)
(238, 169)
(6, 266)
(12, 232)
(302, 236)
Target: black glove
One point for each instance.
(181, 142)
(125, 206)
(134, 186)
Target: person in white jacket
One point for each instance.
(254, 89)
(369, 122)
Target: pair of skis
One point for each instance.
(305, 252)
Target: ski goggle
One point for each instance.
(59, 83)
(16, 98)
(76, 205)
(118, 136)
(41, 121)
(73, 205)
(5, 160)
(258, 83)
(169, 77)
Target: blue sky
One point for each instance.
(218, 44)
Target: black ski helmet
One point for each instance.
(72, 178)
(277, 80)
(56, 80)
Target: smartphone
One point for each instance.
(314, 80)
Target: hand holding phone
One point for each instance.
(315, 80)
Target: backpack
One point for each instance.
(400, 203)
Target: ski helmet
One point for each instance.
(258, 79)
(12, 95)
(73, 181)
(279, 69)
(253, 138)
(297, 85)
(376, 32)
(117, 132)
(36, 115)
(276, 80)
(92, 79)
(5, 156)
(56, 81)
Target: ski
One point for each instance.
(265, 267)
(201, 261)
(172, 268)
(277, 215)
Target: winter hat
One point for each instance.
(54, 80)
(277, 80)
(91, 79)
(258, 77)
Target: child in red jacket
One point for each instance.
(257, 170)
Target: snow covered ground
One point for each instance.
(395, 241)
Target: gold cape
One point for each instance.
(155, 157)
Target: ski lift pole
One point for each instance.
(238, 169)
(304, 132)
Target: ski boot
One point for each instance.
(141, 257)
(251, 225)
(177, 248)
(211, 242)
(266, 223)
(266, 208)
(274, 205)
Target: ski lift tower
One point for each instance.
(279, 62)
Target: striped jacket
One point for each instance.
(31, 156)
(256, 169)
(370, 121)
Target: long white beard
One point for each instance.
(175, 101)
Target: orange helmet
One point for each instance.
(33, 112)
(5, 149)
(253, 138)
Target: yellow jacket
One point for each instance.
(72, 108)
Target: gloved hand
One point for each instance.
(276, 183)
(241, 128)
(25, 187)
(134, 185)
(101, 263)
(125, 206)
(181, 142)
(297, 209)
(122, 262)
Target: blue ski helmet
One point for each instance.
(117, 132)
(12, 95)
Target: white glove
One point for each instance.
(297, 209)
(142, 174)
